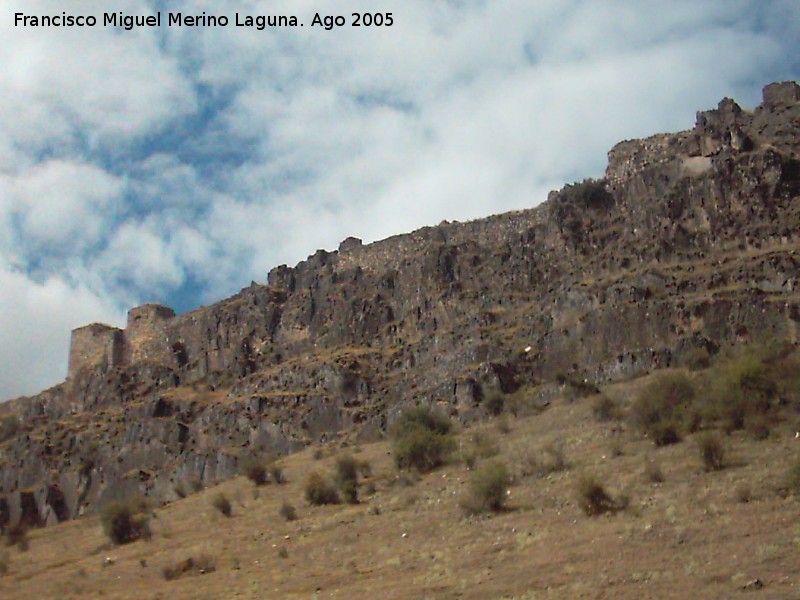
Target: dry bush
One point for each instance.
(663, 409)
(422, 417)
(791, 484)
(319, 490)
(542, 462)
(754, 388)
(487, 488)
(276, 473)
(744, 494)
(495, 403)
(606, 409)
(223, 504)
(594, 499)
(695, 359)
(479, 446)
(17, 535)
(422, 449)
(126, 521)
(712, 451)
(201, 565)
(422, 440)
(502, 424)
(288, 512)
(255, 469)
(577, 386)
(555, 458)
(346, 478)
(653, 472)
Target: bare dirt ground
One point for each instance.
(691, 536)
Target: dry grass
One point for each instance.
(682, 538)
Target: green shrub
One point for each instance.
(422, 417)
(606, 409)
(319, 491)
(742, 388)
(223, 504)
(346, 478)
(288, 512)
(487, 488)
(712, 451)
(663, 410)
(422, 439)
(593, 497)
(422, 449)
(126, 521)
(589, 193)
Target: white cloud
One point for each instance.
(136, 164)
(61, 206)
(35, 323)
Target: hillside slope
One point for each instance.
(691, 241)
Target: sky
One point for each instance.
(178, 164)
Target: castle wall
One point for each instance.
(95, 345)
(146, 337)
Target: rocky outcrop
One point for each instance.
(691, 240)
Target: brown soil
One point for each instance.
(691, 536)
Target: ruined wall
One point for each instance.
(96, 345)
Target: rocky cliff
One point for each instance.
(690, 241)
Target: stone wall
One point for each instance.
(96, 345)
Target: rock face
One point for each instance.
(691, 240)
